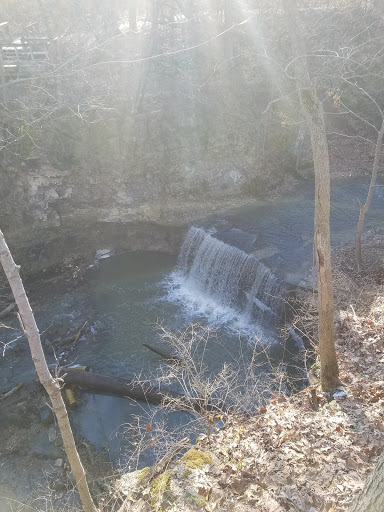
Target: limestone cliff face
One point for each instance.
(49, 213)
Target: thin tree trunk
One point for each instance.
(371, 499)
(51, 385)
(365, 207)
(314, 116)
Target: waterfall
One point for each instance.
(230, 277)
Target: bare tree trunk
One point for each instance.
(364, 208)
(314, 116)
(371, 499)
(51, 385)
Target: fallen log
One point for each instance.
(128, 389)
(114, 385)
(163, 353)
(7, 310)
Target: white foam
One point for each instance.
(196, 306)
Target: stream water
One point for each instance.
(229, 275)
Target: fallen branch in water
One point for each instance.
(72, 339)
(77, 335)
(163, 353)
(115, 385)
(129, 389)
(9, 393)
(7, 310)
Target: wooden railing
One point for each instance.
(20, 56)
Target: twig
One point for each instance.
(77, 335)
(72, 339)
(9, 393)
(7, 310)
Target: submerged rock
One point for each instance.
(46, 416)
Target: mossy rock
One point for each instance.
(142, 473)
(314, 374)
(193, 459)
(193, 498)
(161, 495)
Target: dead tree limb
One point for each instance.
(7, 310)
(115, 385)
(165, 354)
(134, 390)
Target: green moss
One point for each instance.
(195, 459)
(159, 489)
(202, 502)
(142, 474)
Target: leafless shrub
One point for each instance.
(239, 387)
(359, 289)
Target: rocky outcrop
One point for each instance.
(48, 214)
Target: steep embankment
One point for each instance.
(302, 453)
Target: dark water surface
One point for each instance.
(126, 296)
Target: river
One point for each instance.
(125, 297)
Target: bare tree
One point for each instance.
(365, 207)
(51, 385)
(314, 115)
(352, 69)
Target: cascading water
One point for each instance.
(226, 284)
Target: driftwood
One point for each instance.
(9, 393)
(7, 310)
(134, 390)
(77, 335)
(72, 339)
(115, 386)
(70, 397)
(163, 353)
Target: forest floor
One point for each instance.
(308, 452)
